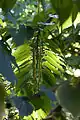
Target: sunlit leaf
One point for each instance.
(51, 67)
(54, 63)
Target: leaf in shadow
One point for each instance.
(24, 107)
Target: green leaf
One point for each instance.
(42, 102)
(23, 58)
(62, 7)
(74, 12)
(55, 57)
(73, 61)
(54, 63)
(8, 4)
(51, 67)
(22, 34)
(1, 3)
(38, 114)
(78, 4)
(41, 113)
(41, 17)
(48, 77)
(69, 97)
(28, 117)
(22, 53)
(53, 46)
(6, 68)
(68, 22)
(22, 104)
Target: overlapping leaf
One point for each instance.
(24, 107)
(23, 58)
(22, 34)
(5, 64)
(7, 4)
(61, 7)
(68, 96)
(40, 100)
(53, 63)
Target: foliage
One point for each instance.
(39, 52)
